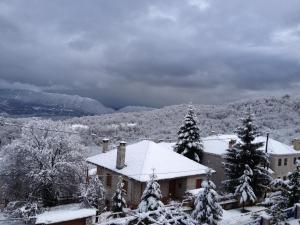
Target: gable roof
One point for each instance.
(142, 157)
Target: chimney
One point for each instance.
(121, 152)
(296, 144)
(231, 143)
(105, 142)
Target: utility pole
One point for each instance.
(267, 142)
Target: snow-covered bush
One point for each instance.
(94, 193)
(25, 210)
(166, 215)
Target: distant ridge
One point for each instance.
(279, 116)
(33, 103)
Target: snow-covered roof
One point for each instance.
(142, 157)
(218, 144)
(64, 213)
(195, 192)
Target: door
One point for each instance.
(198, 183)
(172, 188)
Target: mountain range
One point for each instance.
(34, 103)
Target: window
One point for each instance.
(198, 183)
(108, 180)
(295, 159)
(279, 162)
(179, 185)
(284, 178)
(285, 161)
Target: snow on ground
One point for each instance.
(64, 213)
(7, 221)
(293, 222)
(236, 217)
(144, 156)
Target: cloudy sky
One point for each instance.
(154, 53)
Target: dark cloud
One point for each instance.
(151, 52)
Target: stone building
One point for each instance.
(175, 173)
(282, 157)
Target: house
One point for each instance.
(282, 157)
(70, 214)
(175, 173)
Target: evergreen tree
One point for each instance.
(207, 209)
(278, 200)
(232, 169)
(247, 152)
(189, 143)
(244, 191)
(150, 200)
(293, 184)
(94, 193)
(118, 200)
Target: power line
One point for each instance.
(92, 134)
(135, 174)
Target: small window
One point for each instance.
(284, 178)
(198, 183)
(285, 161)
(279, 162)
(295, 159)
(108, 180)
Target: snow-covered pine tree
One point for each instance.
(247, 152)
(150, 200)
(277, 200)
(232, 169)
(293, 183)
(94, 193)
(118, 200)
(244, 191)
(207, 209)
(189, 142)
